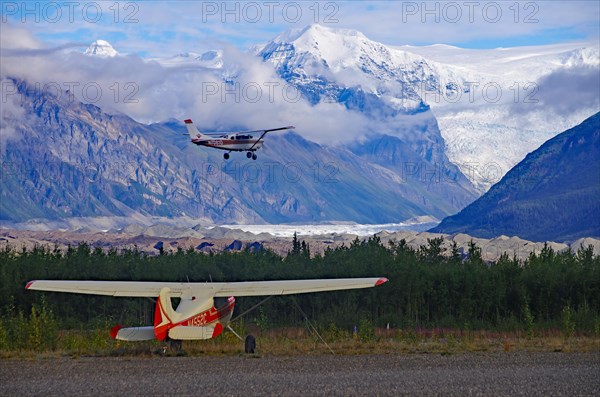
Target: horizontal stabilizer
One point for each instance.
(183, 332)
(133, 334)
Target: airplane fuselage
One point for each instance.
(233, 144)
(194, 322)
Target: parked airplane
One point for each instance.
(232, 141)
(199, 314)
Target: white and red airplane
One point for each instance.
(243, 141)
(197, 316)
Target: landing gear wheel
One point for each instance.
(226, 156)
(250, 344)
(254, 157)
(249, 154)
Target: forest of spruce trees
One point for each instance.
(428, 287)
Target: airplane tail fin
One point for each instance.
(192, 129)
(164, 315)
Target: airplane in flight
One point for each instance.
(204, 308)
(243, 141)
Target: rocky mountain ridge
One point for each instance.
(157, 238)
(94, 164)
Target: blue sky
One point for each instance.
(158, 28)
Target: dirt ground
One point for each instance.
(494, 374)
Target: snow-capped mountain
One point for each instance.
(343, 66)
(529, 62)
(338, 65)
(101, 48)
(326, 63)
(491, 105)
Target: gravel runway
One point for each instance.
(489, 374)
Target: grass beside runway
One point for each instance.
(300, 341)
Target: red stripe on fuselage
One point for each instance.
(218, 143)
(205, 318)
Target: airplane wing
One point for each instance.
(247, 288)
(110, 288)
(264, 132)
(227, 133)
(217, 134)
(192, 130)
(289, 127)
(287, 287)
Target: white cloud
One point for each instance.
(13, 37)
(566, 91)
(11, 112)
(150, 92)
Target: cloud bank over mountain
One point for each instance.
(243, 94)
(365, 102)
